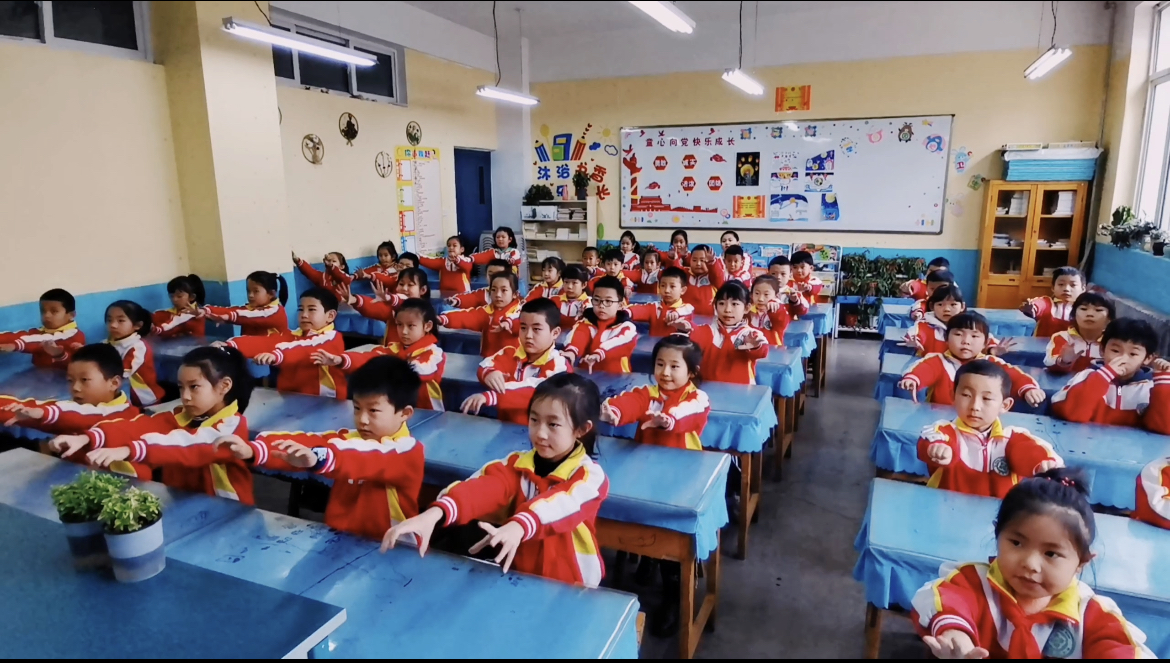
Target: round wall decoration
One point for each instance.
(413, 133)
(348, 125)
(384, 164)
(313, 148)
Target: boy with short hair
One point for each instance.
(916, 288)
(934, 281)
(803, 266)
(605, 337)
(573, 300)
(1121, 389)
(737, 265)
(54, 342)
(513, 373)
(481, 297)
(780, 267)
(671, 315)
(975, 453)
(299, 373)
(707, 276)
(591, 259)
(411, 283)
(614, 265)
(1054, 314)
(551, 269)
(376, 467)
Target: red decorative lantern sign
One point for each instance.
(688, 184)
(715, 183)
(689, 162)
(660, 163)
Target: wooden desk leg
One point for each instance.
(816, 358)
(757, 484)
(824, 344)
(749, 498)
(873, 630)
(688, 634)
(780, 435)
(800, 400)
(714, 568)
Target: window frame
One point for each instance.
(1155, 79)
(50, 40)
(397, 54)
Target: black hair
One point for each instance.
(939, 262)
(968, 320)
(545, 307)
(733, 250)
(691, 352)
(273, 283)
(499, 262)
(389, 246)
(674, 273)
(1095, 299)
(216, 364)
(575, 273)
(781, 261)
(512, 280)
(102, 355)
(62, 297)
(138, 315)
(325, 296)
(729, 232)
(1132, 330)
(735, 291)
(509, 232)
(941, 276)
(648, 254)
(190, 284)
(553, 261)
(417, 275)
(611, 283)
(701, 247)
(802, 258)
(590, 249)
(462, 241)
(988, 369)
(407, 255)
(580, 397)
(767, 279)
(1068, 271)
(424, 308)
(1061, 493)
(679, 233)
(943, 293)
(612, 255)
(633, 240)
(387, 376)
(341, 259)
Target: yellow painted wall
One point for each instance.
(342, 204)
(89, 195)
(992, 102)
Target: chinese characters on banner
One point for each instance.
(420, 207)
(560, 156)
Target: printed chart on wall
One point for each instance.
(883, 175)
(420, 200)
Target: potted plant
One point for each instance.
(78, 506)
(1159, 242)
(134, 535)
(537, 194)
(581, 184)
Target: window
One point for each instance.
(113, 28)
(380, 82)
(1152, 200)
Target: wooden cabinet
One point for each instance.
(1029, 230)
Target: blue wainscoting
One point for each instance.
(1133, 274)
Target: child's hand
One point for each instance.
(1003, 347)
(294, 453)
(1028, 309)
(752, 341)
(322, 358)
(657, 420)
(52, 349)
(683, 326)
(609, 415)
(773, 306)
(939, 453)
(1068, 354)
(451, 265)
(453, 301)
(296, 260)
(496, 381)
(954, 644)
(1120, 365)
(1034, 397)
(508, 538)
(237, 446)
(7, 347)
(1161, 365)
(23, 413)
(671, 316)
(104, 457)
(219, 344)
(589, 360)
(344, 294)
(67, 445)
(473, 404)
(1045, 465)
(421, 526)
(910, 386)
(265, 359)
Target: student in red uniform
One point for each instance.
(706, 276)
(1029, 603)
(127, 324)
(803, 266)
(58, 337)
(605, 337)
(670, 314)
(591, 261)
(1121, 389)
(480, 296)
(929, 335)
(934, 281)
(512, 373)
(573, 300)
(645, 275)
(975, 453)
(549, 495)
(780, 268)
(1076, 348)
(264, 315)
(730, 345)
(1153, 494)
(916, 288)
(294, 354)
(630, 248)
(418, 334)
(182, 319)
(967, 335)
(551, 269)
(612, 262)
(214, 387)
(770, 312)
(505, 249)
(336, 271)
(376, 467)
(672, 411)
(737, 265)
(744, 274)
(454, 270)
(678, 255)
(411, 284)
(1054, 314)
(386, 269)
(494, 322)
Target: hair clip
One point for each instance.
(1065, 481)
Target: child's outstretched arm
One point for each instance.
(66, 341)
(797, 304)
(301, 350)
(475, 319)
(627, 407)
(1078, 399)
(946, 608)
(1037, 307)
(493, 487)
(567, 505)
(1023, 385)
(60, 417)
(469, 300)
(923, 374)
(310, 272)
(936, 447)
(268, 317)
(1060, 355)
(191, 448)
(1028, 455)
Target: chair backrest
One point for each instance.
(487, 240)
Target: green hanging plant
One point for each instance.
(81, 501)
(538, 193)
(130, 511)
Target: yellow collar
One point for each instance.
(539, 361)
(656, 391)
(326, 328)
(507, 309)
(677, 304)
(229, 411)
(568, 466)
(66, 327)
(996, 429)
(1067, 604)
(275, 302)
(558, 285)
(120, 400)
(403, 431)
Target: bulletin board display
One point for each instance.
(420, 199)
(883, 175)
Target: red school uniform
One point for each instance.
(936, 373)
(811, 288)
(376, 272)
(557, 512)
(986, 463)
(69, 338)
(329, 279)
(425, 356)
(683, 260)
(270, 320)
(545, 290)
(917, 289)
(473, 299)
(655, 314)
(614, 340)
(645, 283)
(929, 335)
(1051, 316)
(455, 279)
(572, 309)
(71, 418)
(172, 323)
(482, 320)
(1087, 352)
(700, 292)
(744, 275)
(772, 323)
(185, 449)
(294, 356)
(1096, 395)
(1153, 494)
(377, 309)
(631, 260)
(687, 408)
(138, 369)
(723, 360)
(375, 482)
(522, 374)
(511, 255)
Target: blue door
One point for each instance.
(473, 193)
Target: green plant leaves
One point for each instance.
(81, 501)
(130, 511)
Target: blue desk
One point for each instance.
(644, 298)
(169, 353)
(1003, 322)
(1029, 350)
(1111, 456)
(823, 318)
(909, 531)
(782, 370)
(37, 383)
(894, 366)
(14, 362)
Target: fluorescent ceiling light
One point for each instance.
(506, 95)
(296, 42)
(744, 82)
(667, 14)
(1046, 62)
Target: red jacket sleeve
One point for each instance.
(475, 319)
(642, 312)
(779, 319)
(1022, 383)
(492, 488)
(579, 338)
(937, 433)
(717, 272)
(251, 346)
(392, 463)
(262, 455)
(630, 405)
(170, 325)
(925, 372)
(472, 299)
(264, 318)
(1078, 399)
(388, 280)
(950, 603)
(311, 273)
(517, 393)
(300, 350)
(192, 448)
(483, 257)
(1025, 451)
(33, 341)
(1157, 416)
(567, 505)
(501, 361)
(373, 309)
(797, 304)
(1107, 635)
(690, 415)
(1052, 362)
(1037, 307)
(340, 276)
(430, 364)
(623, 343)
(817, 287)
(351, 361)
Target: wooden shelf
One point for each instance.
(1051, 248)
(1011, 216)
(1009, 248)
(1057, 216)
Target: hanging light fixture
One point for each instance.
(495, 91)
(1051, 58)
(667, 14)
(293, 41)
(737, 76)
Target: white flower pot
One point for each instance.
(138, 555)
(87, 544)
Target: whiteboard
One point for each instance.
(885, 175)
